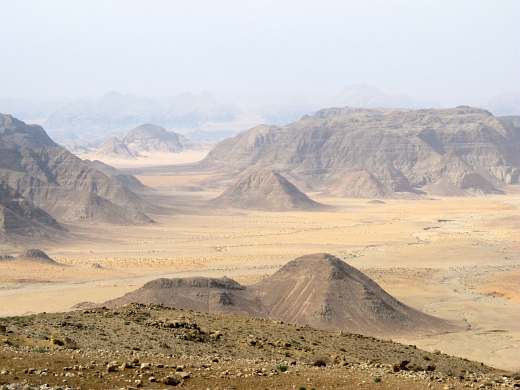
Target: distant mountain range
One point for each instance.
(368, 96)
(383, 152)
(505, 104)
(77, 123)
(115, 112)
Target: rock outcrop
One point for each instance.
(20, 219)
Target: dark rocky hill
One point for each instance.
(318, 290)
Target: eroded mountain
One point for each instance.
(64, 186)
(383, 152)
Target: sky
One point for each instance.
(450, 51)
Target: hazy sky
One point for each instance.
(457, 51)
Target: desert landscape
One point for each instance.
(298, 229)
(434, 254)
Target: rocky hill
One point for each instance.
(35, 256)
(55, 180)
(318, 290)
(143, 140)
(322, 291)
(22, 220)
(115, 148)
(152, 138)
(153, 347)
(265, 190)
(383, 152)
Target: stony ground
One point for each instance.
(154, 347)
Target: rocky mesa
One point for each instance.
(383, 152)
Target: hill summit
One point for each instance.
(319, 290)
(323, 291)
(265, 189)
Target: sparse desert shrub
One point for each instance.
(282, 367)
(319, 362)
(40, 350)
(377, 379)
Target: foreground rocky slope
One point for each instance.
(55, 180)
(383, 152)
(318, 290)
(265, 190)
(156, 347)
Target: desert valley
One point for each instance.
(414, 232)
(286, 232)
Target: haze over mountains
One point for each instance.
(505, 104)
(369, 96)
(114, 112)
(383, 152)
(80, 122)
(49, 177)
(318, 290)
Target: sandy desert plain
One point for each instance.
(457, 258)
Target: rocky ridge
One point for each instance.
(383, 152)
(63, 185)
